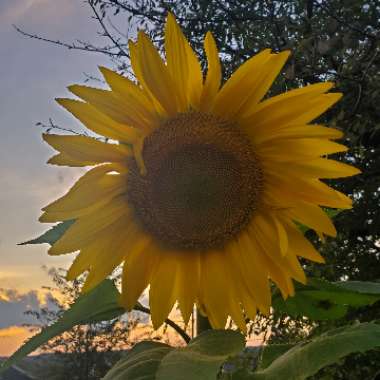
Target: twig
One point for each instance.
(55, 126)
(105, 30)
(344, 22)
(72, 46)
(93, 78)
(134, 11)
(358, 99)
(360, 86)
(159, 16)
(168, 321)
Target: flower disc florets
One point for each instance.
(202, 182)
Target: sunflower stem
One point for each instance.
(203, 323)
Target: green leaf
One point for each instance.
(360, 286)
(52, 235)
(141, 363)
(271, 352)
(322, 300)
(306, 359)
(303, 304)
(202, 358)
(98, 305)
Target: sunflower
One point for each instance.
(198, 188)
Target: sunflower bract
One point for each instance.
(200, 190)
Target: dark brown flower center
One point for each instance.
(201, 186)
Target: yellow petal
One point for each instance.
(164, 287)
(91, 253)
(269, 73)
(271, 116)
(281, 234)
(112, 106)
(220, 290)
(307, 92)
(245, 80)
(135, 101)
(289, 263)
(214, 74)
(80, 264)
(253, 271)
(313, 217)
(98, 122)
(318, 107)
(300, 245)
(136, 66)
(278, 274)
(290, 189)
(84, 151)
(295, 268)
(195, 81)
(289, 150)
(315, 168)
(152, 73)
(139, 266)
(86, 229)
(187, 282)
(183, 66)
(124, 235)
(296, 132)
(264, 224)
(93, 190)
(240, 299)
(215, 293)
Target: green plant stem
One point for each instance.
(203, 323)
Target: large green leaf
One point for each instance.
(306, 359)
(52, 235)
(141, 363)
(98, 305)
(271, 352)
(322, 300)
(303, 304)
(201, 359)
(360, 286)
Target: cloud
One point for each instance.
(14, 305)
(7, 277)
(13, 331)
(12, 11)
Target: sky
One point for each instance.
(32, 74)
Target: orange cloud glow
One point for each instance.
(12, 337)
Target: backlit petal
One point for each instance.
(214, 74)
(84, 151)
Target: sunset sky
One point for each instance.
(32, 74)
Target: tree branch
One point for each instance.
(122, 52)
(344, 22)
(70, 46)
(168, 321)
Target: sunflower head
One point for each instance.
(199, 188)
